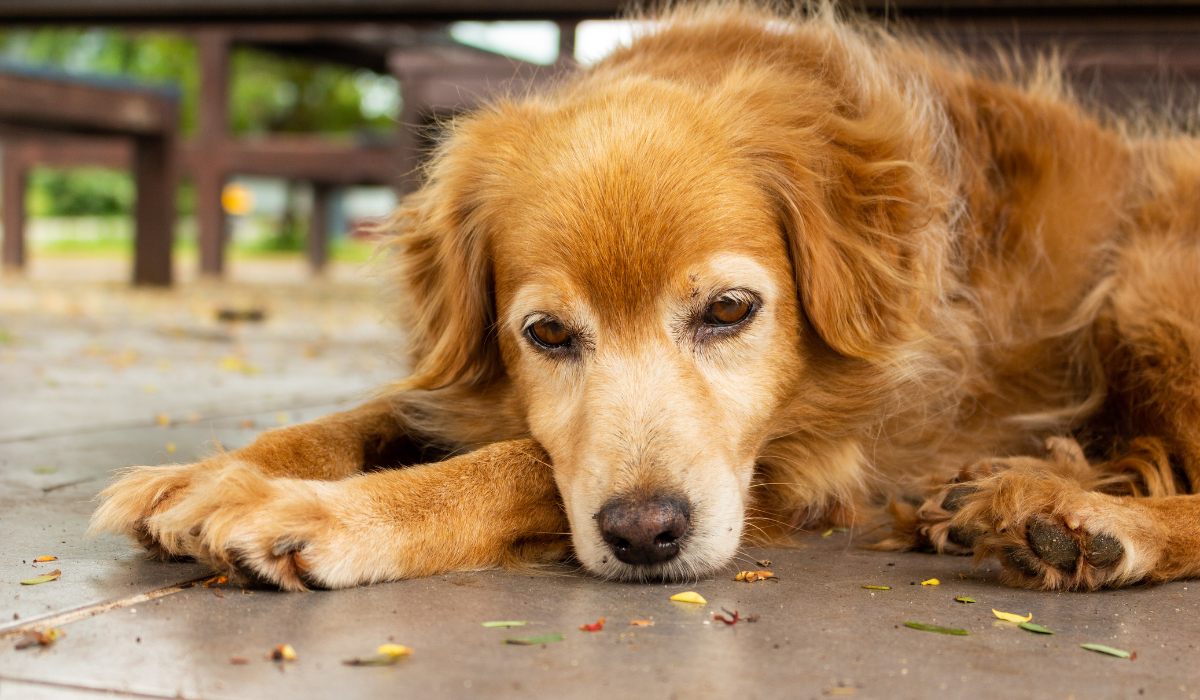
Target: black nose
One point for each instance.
(644, 531)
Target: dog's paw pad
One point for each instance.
(1104, 550)
(956, 497)
(1054, 543)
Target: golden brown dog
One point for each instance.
(752, 274)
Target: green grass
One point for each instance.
(349, 251)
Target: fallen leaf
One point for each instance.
(642, 623)
(931, 582)
(45, 558)
(731, 620)
(878, 588)
(386, 655)
(1032, 627)
(171, 447)
(44, 578)
(1012, 617)
(1107, 650)
(827, 533)
(43, 638)
(752, 576)
(534, 641)
(689, 597)
(216, 581)
(283, 652)
(162, 419)
(935, 628)
(593, 628)
(965, 599)
(507, 623)
(237, 660)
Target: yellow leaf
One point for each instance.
(284, 652)
(171, 447)
(393, 650)
(232, 363)
(1012, 617)
(45, 558)
(162, 419)
(689, 597)
(642, 623)
(931, 582)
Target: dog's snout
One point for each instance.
(644, 531)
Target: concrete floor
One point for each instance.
(87, 370)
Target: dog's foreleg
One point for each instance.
(495, 506)
(331, 447)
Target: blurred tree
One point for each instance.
(269, 94)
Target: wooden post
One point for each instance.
(208, 170)
(318, 228)
(566, 42)
(15, 174)
(408, 141)
(154, 214)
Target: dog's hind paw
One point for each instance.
(1051, 534)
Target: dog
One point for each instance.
(753, 274)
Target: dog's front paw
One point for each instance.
(1051, 534)
(138, 494)
(282, 532)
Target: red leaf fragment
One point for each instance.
(593, 628)
(731, 620)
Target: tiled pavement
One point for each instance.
(88, 371)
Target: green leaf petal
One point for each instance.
(1033, 627)
(965, 599)
(935, 628)
(878, 588)
(1106, 650)
(533, 641)
(505, 623)
(44, 578)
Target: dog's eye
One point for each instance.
(726, 311)
(550, 333)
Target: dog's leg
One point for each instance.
(494, 506)
(331, 447)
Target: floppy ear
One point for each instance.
(444, 278)
(854, 207)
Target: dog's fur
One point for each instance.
(957, 281)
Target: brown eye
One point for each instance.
(550, 333)
(726, 311)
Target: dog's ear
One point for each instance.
(854, 207)
(440, 246)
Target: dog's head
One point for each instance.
(656, 269)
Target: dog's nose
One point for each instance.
(644, 531)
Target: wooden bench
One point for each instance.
(37, 102)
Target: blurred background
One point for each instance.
(295, 128)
